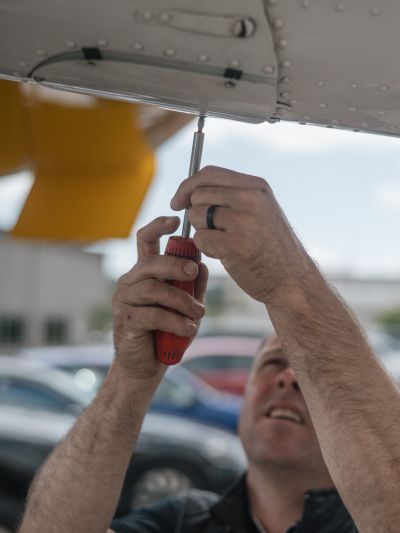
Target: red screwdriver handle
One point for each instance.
(169, 347)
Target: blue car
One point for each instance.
(180, 392)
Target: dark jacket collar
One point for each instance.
(324, 512)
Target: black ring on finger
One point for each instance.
(210, 216)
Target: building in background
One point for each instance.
(48, 294)
(230, 310)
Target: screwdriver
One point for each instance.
(169, 347)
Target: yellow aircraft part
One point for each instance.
(92, 165)
(14, 148)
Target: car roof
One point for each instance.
(71, 355)
(40, 373)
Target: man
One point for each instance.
(351, 402)
(284, 463)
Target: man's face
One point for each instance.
(275, 425)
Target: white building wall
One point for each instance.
(39, 281)
(366, 297)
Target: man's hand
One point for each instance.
(79, 486)
(253, 240)
(145, 302)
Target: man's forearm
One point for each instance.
(354, 405)
(78, 488)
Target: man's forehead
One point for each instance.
(273, 344)
(270, 345)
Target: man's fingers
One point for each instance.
(213, 177)
(224, 218)
(148, 237)
(211, 242)
(200, 284)
(163, 267)
(152, 292)
(213, 196)
(144, 319)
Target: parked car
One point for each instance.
(172, 455)
(180, 392)
(222, 361)
(34, 385)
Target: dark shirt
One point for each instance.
(206, 512)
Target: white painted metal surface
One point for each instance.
(328, 62)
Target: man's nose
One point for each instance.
(287, 379)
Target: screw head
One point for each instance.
(243, 28)
(229, 84)
(147, 16)
(234, 63)
(170, 52)
(138, 47)
(269, 69)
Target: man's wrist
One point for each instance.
(130, 395)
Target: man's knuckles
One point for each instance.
(165, 267)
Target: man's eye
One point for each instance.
(275, 362)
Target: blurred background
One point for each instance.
(78, 176)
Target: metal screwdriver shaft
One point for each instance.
(169, 347)
(195, 162)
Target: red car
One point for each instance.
(222, 362)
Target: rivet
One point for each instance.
(384, 88)
(307, 118)
(41, 52)
(375, 12)
(286, 63)
(102, 42)
(269, 69)
(169, 52)
(284, 94)
(137, 46)
(352, 109)
(234, 63)
(286, 79)
(335, 122)
(70, 44)
(339, 7)
(278, 24)
(364, 125)
(321, 84)
(322, 105)
(283, 43)
(353, 86)
(305, 4)
(146, 15)
(164, 17)
(22, 64)
(229, 84)
(203, 58)
(293, 102)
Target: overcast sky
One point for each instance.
(340, 190)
